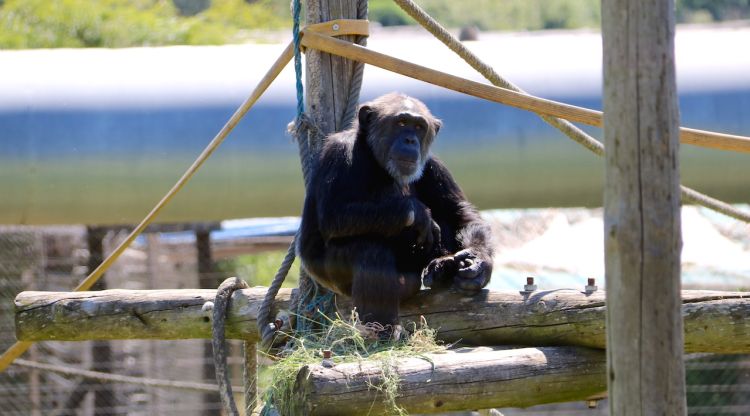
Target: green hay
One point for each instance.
(346, 342)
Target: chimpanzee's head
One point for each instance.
(399, 130)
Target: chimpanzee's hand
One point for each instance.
(473, 272)
(427, 230)
(439, 272)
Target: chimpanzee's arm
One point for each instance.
(338, 217)
(471, 263)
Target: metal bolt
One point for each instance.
(591, 286)
(327, 361)
(336, 26)
(529, 286)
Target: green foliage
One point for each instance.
(123, 23)
(348, 345)
(506, 14)
(716, 10)
(259, 269)
(387, 13)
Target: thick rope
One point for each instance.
(358, 71)
(569, 129)
(266, 328)
(218, 341)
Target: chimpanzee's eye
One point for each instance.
(419, 127)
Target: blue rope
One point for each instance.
(314, 305)
(296, 7)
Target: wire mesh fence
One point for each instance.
(57, 258)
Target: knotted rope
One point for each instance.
(218, 341)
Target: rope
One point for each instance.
(218, 341)
(113, 378)
(358, 71)
(20, 347)
(266, 328)
(566, 127)
(311, 299)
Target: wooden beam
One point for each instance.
(642, 209)
(328, 77)
(500, 95)
(717, 322)
(463, 379)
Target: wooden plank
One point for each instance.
(717, 322)
(499, 95)
(642, 210)
(463, 379)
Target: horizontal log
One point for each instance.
(715, 322)
(476, 378)
(135, 314)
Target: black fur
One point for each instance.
(382, 214)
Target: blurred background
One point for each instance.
(104, 104)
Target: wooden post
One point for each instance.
(104, 396)
(328, 85)
(328, 77)
(646, 374)
(207, 279)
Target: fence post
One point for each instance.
(642, 210)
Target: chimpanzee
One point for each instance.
(382, 215)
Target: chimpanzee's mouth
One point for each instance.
(405, 163)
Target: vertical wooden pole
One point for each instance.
(250, 376)
(207, 279)
(104, 397)
(642, 209)
(328, 77)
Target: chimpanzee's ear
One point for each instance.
(438, 124)
(365, 113)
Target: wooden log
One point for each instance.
(716, 322)
(642, 225)
(478, 378)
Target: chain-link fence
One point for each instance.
(57, 258)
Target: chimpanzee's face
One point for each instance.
(400, 131)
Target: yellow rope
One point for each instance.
(338, 27)
(319, 37)
(527, 102)
(20, 347)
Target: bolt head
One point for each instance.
(336, 26)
